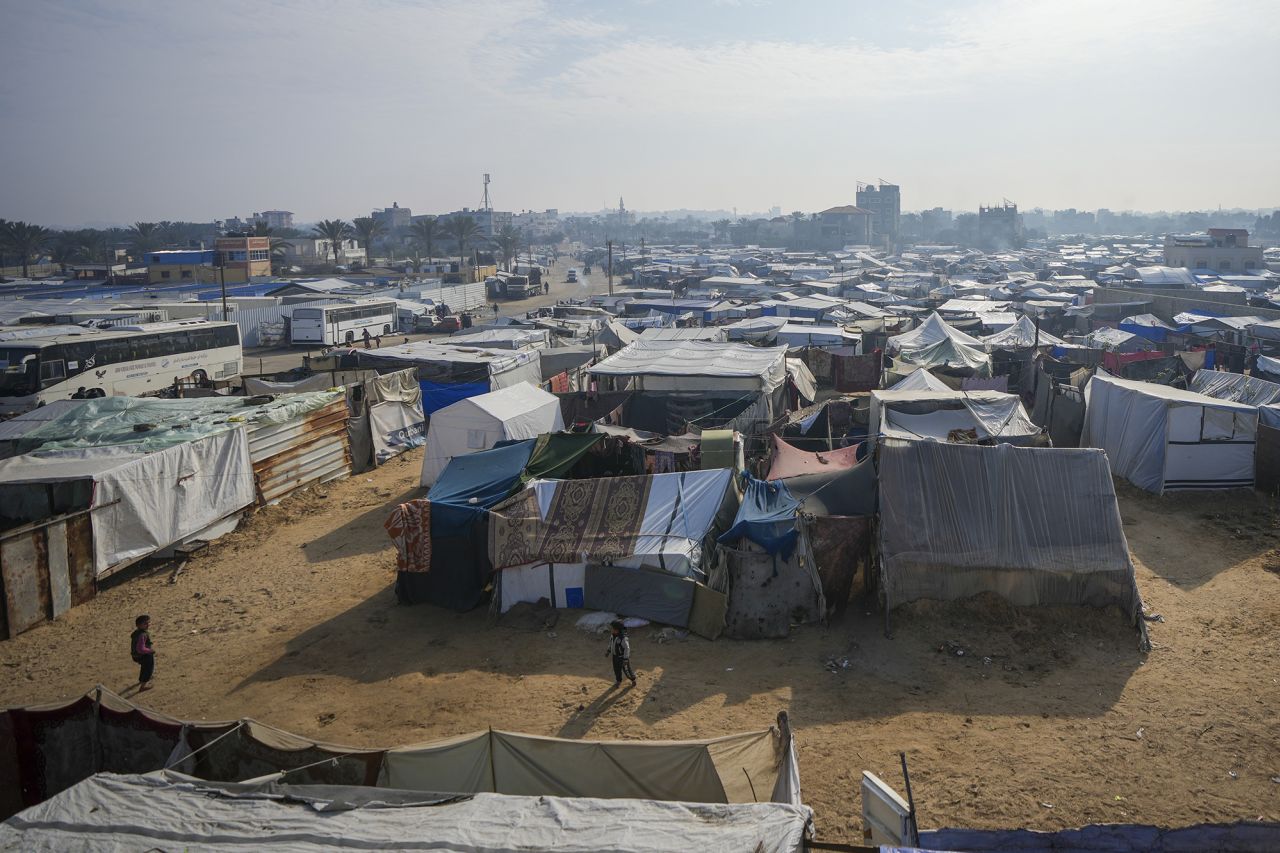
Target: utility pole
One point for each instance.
(222, 279)
(609, 243)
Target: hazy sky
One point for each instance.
(116, 111)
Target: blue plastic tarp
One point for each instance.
(487, 477)
(1159, 334)
(437, 395)
(767, 516)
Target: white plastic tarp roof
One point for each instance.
(1022, 335)
(697, 365)
(915, 415)
(928, 333)
(920, 379)
(138, 812)
(478, 423)
(1166, 276)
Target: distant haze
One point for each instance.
(119, 111)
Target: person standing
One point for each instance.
(142, 652)
(367, 337)
(620, 650)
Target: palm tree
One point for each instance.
(143, 237)
(509, 239)
(335, 231)
(462, 229)
(367, 230)
(26, 241)
(69, 247)
(425, 232)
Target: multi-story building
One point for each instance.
(933, 222)
(1221, 250)
(174, 266)
(394, 217)
(537, 223)
(884, 201)
(490, 221)
(833, 228)
(318, 250)
(1000, 227)
(276, 219)
(244, 258)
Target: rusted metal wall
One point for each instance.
(1266, 461)
(287, 457)
(46, 568)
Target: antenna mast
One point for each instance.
(484, 204)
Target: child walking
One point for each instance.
(620, 650)
(143, 654)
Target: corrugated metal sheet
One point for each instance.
(287, 457)
(45, 570)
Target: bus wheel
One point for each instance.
(386, 328)
(199, 377)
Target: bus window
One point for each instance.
(226, 336)
(113, 352)
(52, 370)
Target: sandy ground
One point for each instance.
(1050, 718)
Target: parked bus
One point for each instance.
(130, 361)
(343, 324)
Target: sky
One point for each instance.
(194, 110)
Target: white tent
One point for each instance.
(1022, 335)
(478, 423)
(939, 415)
(931, 331)
(920, 380)
(1161, 438)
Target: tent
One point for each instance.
(632, 545)
(1235, 387)
(448, 372)
(1162, 438)
(140, 501)
(773, 582)
(1022, 335)
(791, 461)
(965, 416)
(1033, 525)
(930, 332)
(920, 379)
(442, 542)
(480, 422)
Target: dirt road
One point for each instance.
(1050, 718)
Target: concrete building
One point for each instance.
(394, 217)
(537, 223)
(244, 258)
(884, 201)
(834, 228)
(999, 227)
(317, 250)
(934, 221)
(275, 218)
(1221, 250)
(490, 221)
(174, 266)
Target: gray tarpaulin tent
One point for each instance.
(1161, 438)
(170, 811)
(1034, 525)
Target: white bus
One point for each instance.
(343, 324)
(129, 361)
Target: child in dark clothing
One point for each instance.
(620, 650)
(141, 651)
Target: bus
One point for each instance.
(333, 325)
(129, 361)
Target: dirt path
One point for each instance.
(1050, 718)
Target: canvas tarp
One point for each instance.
(1235, 387)
(946, 353)
(920, 379)
(146, 501)
(711, 771)
(791, 461)
(479, 423)
(767, 517)
(932, 331)
(653, 595)
(1022, 335)
(138, 813)
(1034, 525)
(1161, 438)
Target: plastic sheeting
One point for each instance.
(1161, 438)
(1022, 335)
(791, 461)
(932, 331)
(949, 354)
(138, 812)
(478, 423)
(653, 595)
(1034, 525)
(1235, 387)
(697, 366)
(920, 379)
(916, 415)
(142, 501)
(767, 517)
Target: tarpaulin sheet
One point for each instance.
(653, 595)
(437, 395)
(851, 491)
(138, 813)
(480, 422)
(697, 365)
(766, 516)
(791, 461)
(950, 354)
(395, 427)
(1034, 525)
(554, 454)
(912, 415)
(1235, 387)
(920, 379)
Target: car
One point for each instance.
(571, 276)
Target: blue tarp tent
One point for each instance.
(767, 516)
